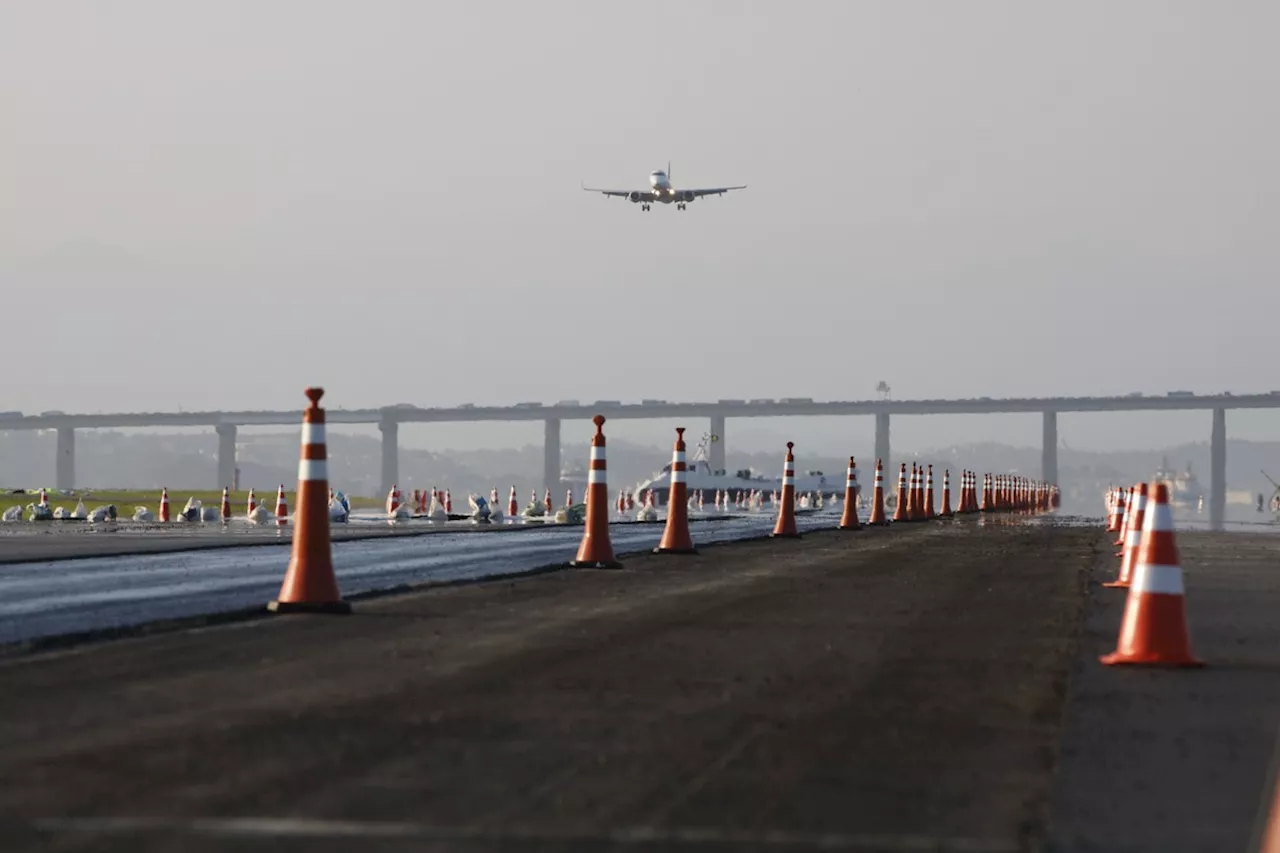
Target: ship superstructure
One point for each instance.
(702, 477)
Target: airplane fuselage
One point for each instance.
(660, 187)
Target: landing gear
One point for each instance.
(644, 207)
(680, 206)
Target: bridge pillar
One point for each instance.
(882, 450)
(1218, 470)
(551, 455)
(390, 453)
(226, 455)
(715, 450)
(1049, 452)
(65, 476)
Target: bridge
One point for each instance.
(389, 419)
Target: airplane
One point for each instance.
(660, 189)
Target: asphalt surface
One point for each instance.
(94, 593)
(1177, 760)
(926, 687)
(890, 689)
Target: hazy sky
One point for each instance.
(209, 204)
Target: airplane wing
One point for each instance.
(645, 195)
(714, 191)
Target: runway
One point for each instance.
(923, 687)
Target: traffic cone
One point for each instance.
(1266, 835)
(310, 585)
(282, 508)
(44, 498)
(251, 504)
(224, 511)
(785, 528)
(513, 508)
(676, 538)
(1125, 518)
(596, 551)
(900, 507)
(849, 518)
(877, 517)
(928, 495)
(1154, 630)
(164, 503)
(1133, 539)
(946, 511)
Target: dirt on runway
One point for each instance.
(895, 690)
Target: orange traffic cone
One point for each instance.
(282, 508)
(596, 551)
(878, 518)
(1266, 836)
(1125, 518)
(1133, 539)
(164, 503)
(900, 507)
(928, 495)
(1154, 630)
(946, 511)
(224, 511)
(785, 528)
(849, 518)
(676, 538)
(310, 584)
(1117, 511)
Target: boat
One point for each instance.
(1185, 490)
(574, 477)
(701, 477)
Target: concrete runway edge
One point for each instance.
(226, 617)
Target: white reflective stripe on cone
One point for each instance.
(312, 433)
(596, 476)
(597, 453)
(1160, 580)
(311, 470)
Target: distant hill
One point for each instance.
(106, 458)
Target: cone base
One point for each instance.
(784, 535)
(1116, 584)
(587, 564)
(1116, 659)
(661, 550)
(336, 607)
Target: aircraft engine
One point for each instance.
(687, 195)
(635, 196)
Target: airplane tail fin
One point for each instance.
(669, 171)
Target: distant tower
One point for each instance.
(882, 388)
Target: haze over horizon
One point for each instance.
(213, 205)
